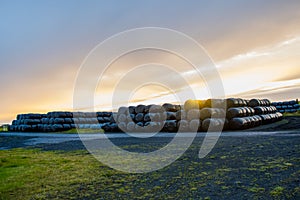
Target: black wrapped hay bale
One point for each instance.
(156, 109)
(130, 127)
(170, 126)
(238, 123)
(183, 125)
(193, 104)
(123, 110)
(214, 124)
(170, 107)
(195, 125)
(180, 114)
(215, 103)
(193, 114)
(140, 109)
(236, 102)
(139, 117)
(212, 113)
(258, 102)
(170, 115)
(236, 112)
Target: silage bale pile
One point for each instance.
(60, 121)
(194, 115)
(287, 106)
(243, 114)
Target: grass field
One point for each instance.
(296, 114)
(81, 131)
(237, 168)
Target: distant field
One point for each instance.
(74, 130)
(260, 167)
(292, 114)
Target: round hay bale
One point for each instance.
(113, 118)
(157, 117)
(59, 114)
(59, 121)
(259, 110)
(131, 127)
(131, 109)
(279, 115)
(107, 114)
(130, 117)
(156, 109)
(57, 127)
(180, 114)
(212, 113)
(66, 126)
(123, 110)
(215, 103)
(114, 127)
(170, 126)
(69, 120)
(191, 104)
(254, 103)
(147, 109)
(139, 127)
(90, 114)
(232, 102)
(195, 125)
(170, 115)
(139, 117)
(183, 125)
(237, 123)
(213, 124)
(234, 112)
(169, 107)
(99, 114)
(106, 119)
(122, 126)
(193, 114)
(122, 118)
(140, 109)
(152, 127)
(29, 121)
(147, 117)
(19, 116)
(45, 120)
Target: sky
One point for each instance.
(255, 46)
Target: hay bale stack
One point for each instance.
(194, 115)
(287, 106)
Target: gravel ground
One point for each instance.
(255, 167)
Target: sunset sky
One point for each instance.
(254, 44)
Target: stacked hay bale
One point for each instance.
(26, 122)
(251, 113)
(287, 106)
(193, 116)
(203, 115)
(60, 121)
(147, 118)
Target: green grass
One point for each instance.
(3, 129)
(82, 131)
(277, 191)
(248, 168)
(26, 174)
(296, 114)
